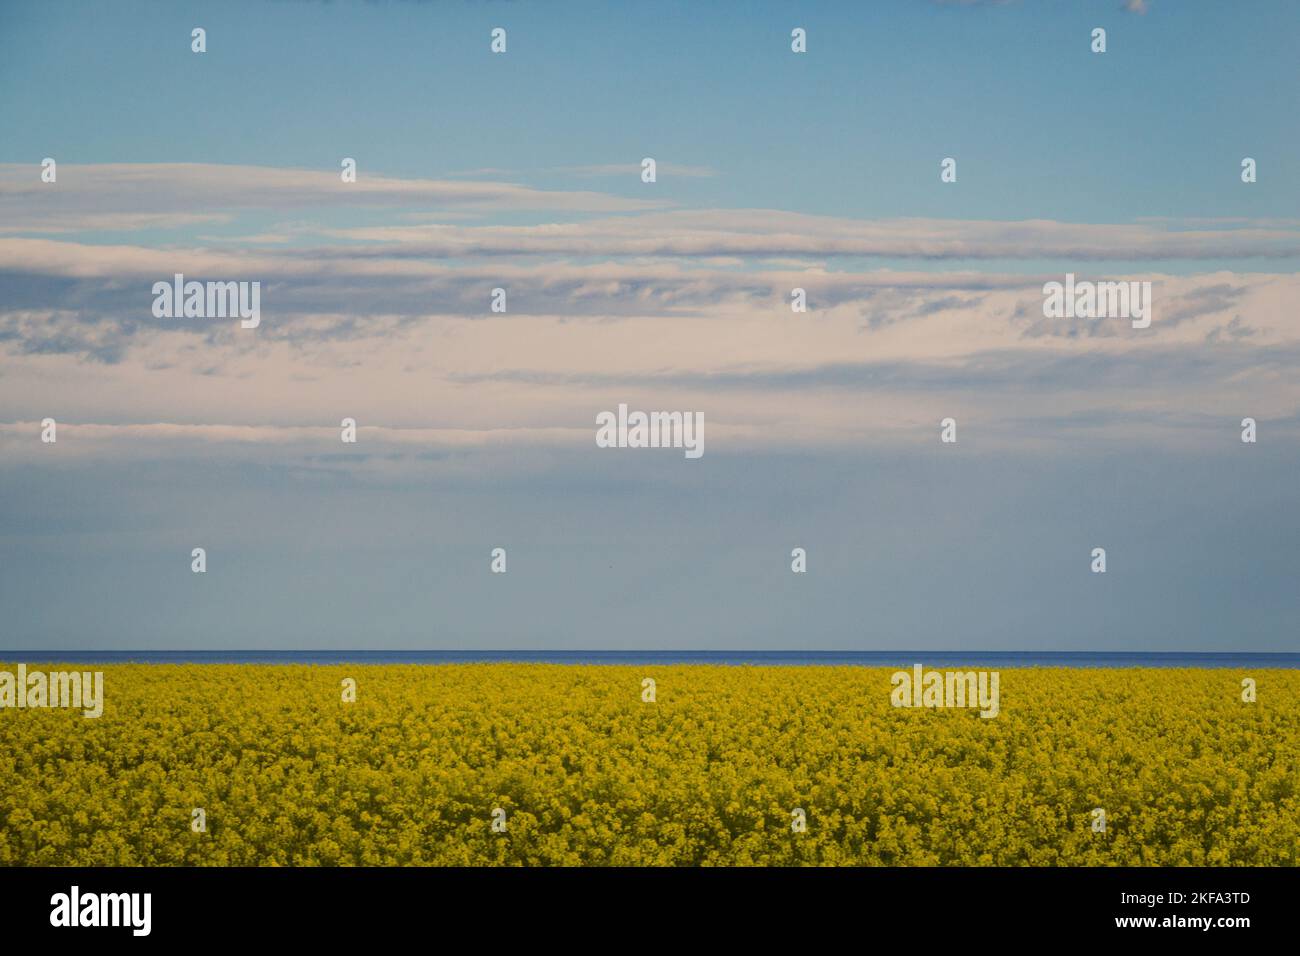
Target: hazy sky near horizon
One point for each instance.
(776, 170)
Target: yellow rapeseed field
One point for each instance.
(287, 773)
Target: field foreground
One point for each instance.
(710, 773)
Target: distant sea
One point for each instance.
(768, 658)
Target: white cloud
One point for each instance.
(142, 195)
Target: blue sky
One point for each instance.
(776, 170)
(1041, 127)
